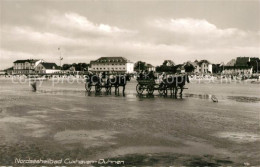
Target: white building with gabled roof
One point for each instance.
(25, 66)
(47, 68)
(112, 65)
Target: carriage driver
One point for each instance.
(151, 75)
(141, 75)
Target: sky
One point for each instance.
(151, 31)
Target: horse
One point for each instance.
(181, 80)
(93, 80)
(117, 81)
(168, 83)
(173, 83)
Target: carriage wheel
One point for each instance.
(150, 89)
(88, 87)
(98, 87)
(139, 89)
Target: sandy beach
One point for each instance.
(64, 121)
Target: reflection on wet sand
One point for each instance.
(131, 97)
(67, 121)
(244, 99)
(239, 137)
(200, 96)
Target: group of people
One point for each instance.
(104, 76)
(145, 75)
(150, 75)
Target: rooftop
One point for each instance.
(242, 61)
(27, 60)
(194, 64)
(110, 60)
(150, 65)
(50, 65)
(10, 68)
(203, 61)
(231, 62)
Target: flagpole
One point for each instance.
(60, 57)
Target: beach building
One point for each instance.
(112, 64)
(242, 61)
(231, 62)
(71, 70)
(238, 66)
(150, 67)
(180, 69)
(25, 66)
(47, 68)
(168, 63)
(254, 62)
(9, 71)
(237, 70)
(202, 67)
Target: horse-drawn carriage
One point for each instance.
(148, 85)
(106, 82)
(172, 83)
(96, 82)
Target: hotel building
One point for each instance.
(112, 65)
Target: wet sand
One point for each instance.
(64, 121)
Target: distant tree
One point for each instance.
(77, 66)
(140, 66)
(189, 67)
(85, 66)
(66, 66)
(254, 62)
(216, 68)
(167, 66)
(168, 63)
(74, 65)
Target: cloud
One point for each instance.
(82, 40)
(74, 21)
(194, 27)
(6, 54)
(200, 32)
(29, 34)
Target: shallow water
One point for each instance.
(62, 119)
